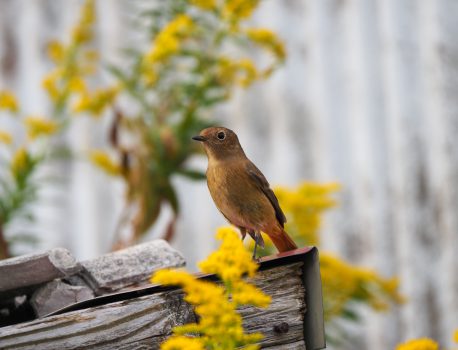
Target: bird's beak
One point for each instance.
(199, 138)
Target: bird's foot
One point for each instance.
(254, 251)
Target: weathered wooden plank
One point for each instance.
(299, 345)
(144, 322)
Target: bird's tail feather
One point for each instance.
(282, 241)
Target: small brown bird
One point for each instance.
(240, 191)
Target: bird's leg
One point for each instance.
(254, 235)
(254, 250)
(242, 232)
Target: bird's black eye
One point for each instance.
(221, 135)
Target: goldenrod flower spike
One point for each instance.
(204, 4)
(19, 162)
(5, 137)
(182, 342)
(8, 101)
(268, 40)
(237, 10)
(38, 126)
(219, 326)
(104, 162)
(419, 344)
(168, 41)
(343, 282)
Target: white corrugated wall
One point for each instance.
(368, 98)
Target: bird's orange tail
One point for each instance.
(282, 241)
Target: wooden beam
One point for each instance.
(144, 322)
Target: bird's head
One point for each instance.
(220, 142)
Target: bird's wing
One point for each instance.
(261, 182)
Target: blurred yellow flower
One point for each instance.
(91, 55)
(183, 343)
(241, 72)
(95, 102)
(73, 62)
(167, 42)
(239, 9)
(5, 137)
(343, 282)
(216, 305)
(83, 31)
(55, 51)
(19, 162)
(104, 162)
(150, 76)
(50, 84)
(8, 101)
(304, 207)
(39, 126)
(77, 85)
(249, 72)
(204, 4)
(269, 40)
(419, 344)
(455, 336)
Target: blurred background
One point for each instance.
(367, 97)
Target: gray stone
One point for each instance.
(133, 265)
(33, 269)
(57, 294)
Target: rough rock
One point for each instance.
(57, 294)
(130, 266)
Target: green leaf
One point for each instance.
(192, 174)
(118, 73)
(350, 315)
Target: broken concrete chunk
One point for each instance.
(133, 265)
(33, 269)
(56, 295)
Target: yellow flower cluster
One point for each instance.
(455, 336)
(39, 126)
(74, 62)
(8, 101)
(304, 207)
(219, 326)
(181, 342)
(5, 137)
(231, 261)
(165, 45)
(269, 40)
(19, 162)
(343, 282)
(419, 344)
(95, 102)
(168, 41)
(104, 162)
(56, 51)
(83, 31)
(204, 4)
(236, 10)
(242, 72)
